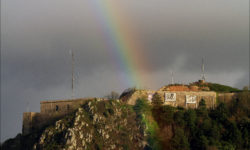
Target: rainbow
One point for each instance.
(120, 40)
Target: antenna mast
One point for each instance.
(172, 77)
(73, 76)
(203, 70)
(27, 107)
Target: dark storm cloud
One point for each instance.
(217, 32)
(175, 35)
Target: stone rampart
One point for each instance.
(180, 98)
(138, 94)
(28, 120)
(54, 110)
(61, 106)
(50, 112)
(227, 97)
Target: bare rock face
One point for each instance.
(95, 125)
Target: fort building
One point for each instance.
(175, 95)
(50, 112)
(186, 96)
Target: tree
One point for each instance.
(141, 106)
(156, 100)
(203, 142)
(232, 134)
(221, 113)
(180, 141)
(206, 126)
(244, 103)
(202, 104)
(164, 115)
(113, 95)
(244, 125)
(168, 114)
(202, 110)
(226, 146)
(190, 118)
(179, 118)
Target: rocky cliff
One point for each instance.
(95, 125)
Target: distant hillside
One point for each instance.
(221, 88)
(217, 87)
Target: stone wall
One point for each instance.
(50, 112)
(54, 110)
(28, 122)
(209, 97)
(137, 94)
(61, 106)
(227, 97)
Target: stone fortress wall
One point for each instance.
(50, 112)
(183, 96)
(227, 97)
(180, 98)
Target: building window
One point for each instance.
(57, 108)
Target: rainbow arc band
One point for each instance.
(121, 40)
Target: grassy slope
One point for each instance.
(222, 88)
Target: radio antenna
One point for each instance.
(172, 77)
(27, 107)
(73, 73)
(203, 70)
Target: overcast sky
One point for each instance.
(175, 35)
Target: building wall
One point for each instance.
(138, 94)
(54, 110)
(61, 107)
(50, 112)
(227, 97)
(209, 97)
(28, 122)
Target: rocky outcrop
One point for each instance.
(95, 125)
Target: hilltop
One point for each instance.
(202, 86)
(113, 124)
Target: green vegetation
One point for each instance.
(144, 116)
(221, 88)
(227, 127)
(217, 87)
(180, 141)
(157, 100)
(112, 96)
